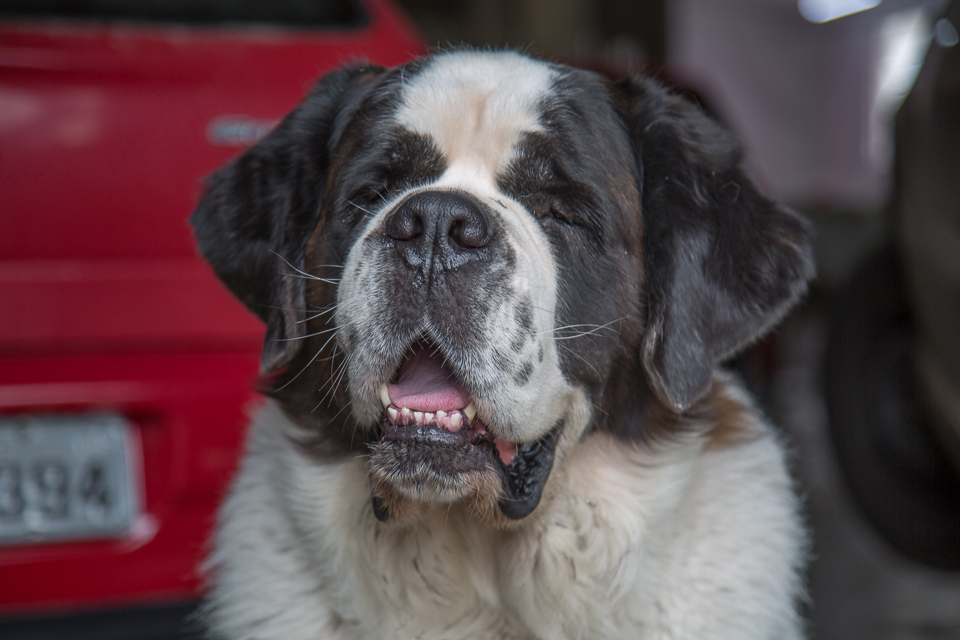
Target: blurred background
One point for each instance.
(125, 367)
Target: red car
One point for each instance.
(126, 369)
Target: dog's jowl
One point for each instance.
(496, 291)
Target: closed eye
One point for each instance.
(559, 213)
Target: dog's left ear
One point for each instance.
(257, 212)
(722, 262)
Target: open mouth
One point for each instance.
(427, 401)
(428, 409)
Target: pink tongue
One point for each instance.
(425, 384)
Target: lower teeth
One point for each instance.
(449, 420)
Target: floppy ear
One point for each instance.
(722, 262)
(257, 212)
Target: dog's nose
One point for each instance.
(439, 225)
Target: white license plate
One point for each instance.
(66, 478)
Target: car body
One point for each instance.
(107, 126)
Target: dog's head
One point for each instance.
(467, 260)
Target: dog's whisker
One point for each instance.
(309, 335)
(591, 325)
(332, 336)
(366, 211)
(333, 281)
(338, 379)
(345, 406)
(332, 307)
(335, 380)
(301, 272)
(311, 361)
(594, 330)
(282, 308)
(299, 373)
(330, 380)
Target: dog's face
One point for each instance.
(467, 263)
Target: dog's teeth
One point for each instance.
(392, 412)
(427, 418)
(384, 396)
(470, 411)
(455, 419)
(405, 412)
(418, 417)
(441, 415)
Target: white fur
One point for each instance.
(684, 541)
(475, 105)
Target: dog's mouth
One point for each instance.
(430, 420)
(427, 399)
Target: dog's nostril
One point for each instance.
(405, 224)
(469, 230)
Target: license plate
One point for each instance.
(66, 478)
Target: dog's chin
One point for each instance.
(425, 462)
(412, 468)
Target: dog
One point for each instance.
(496, 292)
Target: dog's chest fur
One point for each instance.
(631, 545)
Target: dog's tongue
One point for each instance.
(425, 384)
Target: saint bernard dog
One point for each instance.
(496, 291)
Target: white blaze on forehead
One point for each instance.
(475, 105)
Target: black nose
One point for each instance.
(440, 226)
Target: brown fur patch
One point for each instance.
(400, 510)
(729, 420)
(724, 416)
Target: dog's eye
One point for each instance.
(560, 213)
(368, 198)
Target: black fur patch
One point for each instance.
(522, 375)
(257, 212)
(524, 316)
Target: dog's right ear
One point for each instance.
(257, 212)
